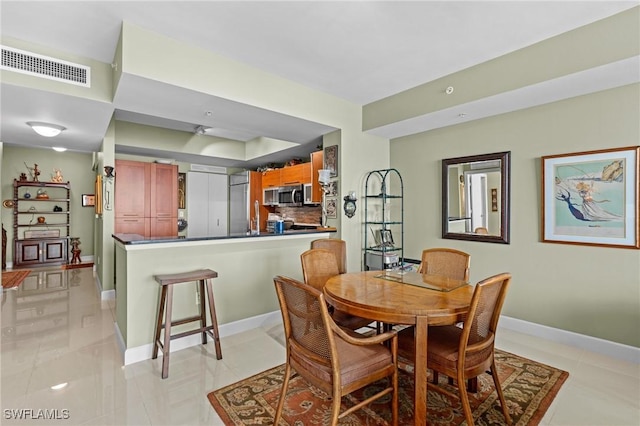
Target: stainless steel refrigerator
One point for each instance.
(239, 203)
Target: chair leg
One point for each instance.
(496, 382)
(464, 398)
(394, 399)
(283, 394)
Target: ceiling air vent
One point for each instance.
(45, 67)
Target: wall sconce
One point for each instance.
(45, 129)
(350, 204)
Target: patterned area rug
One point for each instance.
(529, 388)
(11, 279)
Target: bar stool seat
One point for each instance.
(167, 281)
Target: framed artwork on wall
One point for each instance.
(591, 198)
(331, 159)
(332, 208)
(182, 190)
(88, 200)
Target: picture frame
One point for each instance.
(88, 200)
(182, 190)
(331, 207)
(331, 159)
(591, 198)
(332, 189)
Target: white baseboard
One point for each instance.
(104, 294)
(593, 344)
(141, 353)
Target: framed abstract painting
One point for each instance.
(591, 198)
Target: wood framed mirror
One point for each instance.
(476, 197)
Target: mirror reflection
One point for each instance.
(475, 198)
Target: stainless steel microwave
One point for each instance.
(291, 195)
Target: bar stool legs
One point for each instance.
(165, 307)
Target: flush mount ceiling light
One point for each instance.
(46, 129)
(59, 148)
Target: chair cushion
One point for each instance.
(349, 321)
(442, 347)
(356, 362)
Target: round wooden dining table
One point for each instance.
(370, 295)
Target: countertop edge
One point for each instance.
(136, 239)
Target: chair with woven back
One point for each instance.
(448, 262)
(481, 230)
(466, 352)
(337, 247)
(318, 265)
(330, 358)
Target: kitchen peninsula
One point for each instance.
(244, 291)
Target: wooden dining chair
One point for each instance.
(466, 352)
(318, 265)
(481, 230)
(448, 262)
(337, 361)
(337, 247)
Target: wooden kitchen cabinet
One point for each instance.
(133, 225)
(164, 187)
(293, 175)
(317, 159)
(146, 199)
(133, 189)
(271, 178)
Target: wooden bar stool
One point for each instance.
(166, 304)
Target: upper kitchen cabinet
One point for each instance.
(295, 175)
(271, 178)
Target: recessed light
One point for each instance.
(59, 148)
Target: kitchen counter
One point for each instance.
(244, 291)
(139, 239)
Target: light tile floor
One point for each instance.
(56, 330)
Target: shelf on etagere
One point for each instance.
(384, 249)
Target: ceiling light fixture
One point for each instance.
(47, 130)
(59, 148)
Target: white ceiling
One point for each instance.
(361, 51)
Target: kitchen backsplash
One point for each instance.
(310, 214)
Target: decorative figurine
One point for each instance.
(57, 176)
(75, 251)
(23, 177)
(33, 171)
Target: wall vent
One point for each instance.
(208, 169)
(45, 67)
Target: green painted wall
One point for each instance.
(76, 168)
(588, 290)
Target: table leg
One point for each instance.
(420, 375)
